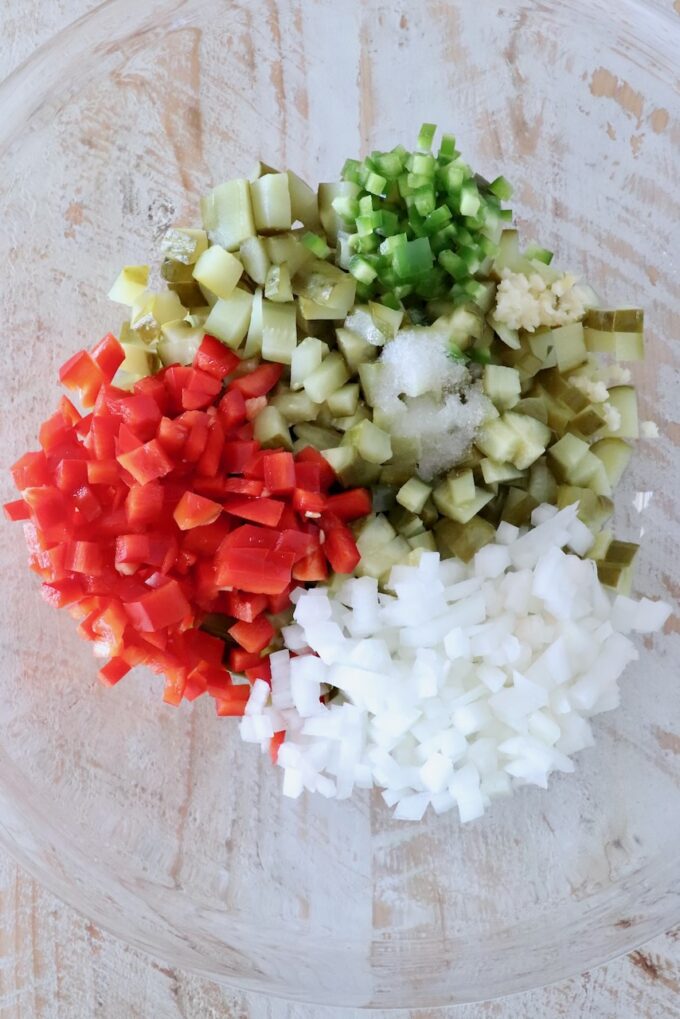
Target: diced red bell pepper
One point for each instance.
(278, 602)
(131, 551)
(69, 413)
(350, 505)
(262, 670)
(243, 486)
(254, 468)
(232, 409)
(113, 671)
(236, 455)
(195, 511)
(249, 536)
(259, 571)
(71, 474)
(31, 471)
(215, 358)
(297, 542)
(172, 434)
(82, 373)
(258, 382)
(175, 683)
(253, 636)
(102, 437)
(102, 472)
(312, 568)
(109, 355)
(17, 510)
(275, 745)
(206, 540)
(198, 436)
(244, 432)
(161, 607)
(240, 660)
(60, 593)
(127, 440)
(87, 503)
(144, 503)
(175, 380)
(147, 462)
(196, 685)
(340, 548)
(54, 433)
(84, 557)
(50, 511)
(260, 511)
(141, 413)
(311, 455)
(211, 456)
(246, 607)
(152, 385)
(308, 476)
(233, 703)
(279, 472)
(309, 504)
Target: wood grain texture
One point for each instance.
(55, 964)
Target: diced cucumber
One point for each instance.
(405, 523)
(533, 407)
(228, 214)
(566, 455)
(461, 485)
(594, 510)
(330, 375)
(629, 346)
(396, 474)
(498, 441)
(303, 202)
(354, 348)
(599, 341)
(255, 259)
(253, 344)
(288, 248)
(307, 357)
(533, 438)
(131, 283)
(615, 455)
(229, 319)
(614, 320)
(462, 513)
(624, 400)
(463, 540)
(344, 401)
(372, 443)
(279, 331)
(542, 346)
(295, 407)
(413, 495)
(387, 320)
(518, 507)
(341, 459)
(426, 541)
(502, 385)
(494, 472)
(218, 270)
(360, 414)
(270, 429)
(590, 473)
(277, 284)
(179, 342)
(320, 438)
(184, 245)
(570, 346)
(588, 422)
(325, 286)
(370, 376)
(379, 562)
(270, 197)
(542, 484)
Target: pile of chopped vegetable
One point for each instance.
(328, 472)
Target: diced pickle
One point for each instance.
(277, 284)
(320, 438)
(615, 455)
(255, 258)
(621, 553)
(344, 401)
(307, 357)
(228, 214)
(184, 245)
(230, 318)
(131, 283)
(354, 348)
(615, 320)
(624, 400)
(270, 197)
(518, 507)
(413, 495)
(372, 444)
(463, 540)
(219, 271)
(331, 374)
(271, 430)
(296, 407)
(279, 332)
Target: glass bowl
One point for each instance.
(158, 823)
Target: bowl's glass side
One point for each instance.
(158, 822)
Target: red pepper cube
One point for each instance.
(254, 468)
(258, 382)
(211, 457)
(246, 607)
(256, 570)
(69, 413)
(60, 593)
(71, 474)
(243, 486)
(244, 432)
(340, 549)
(240, 660)
(54, 432)
(232, 409)
(249, 536)
(312, 568)
(215, 358)
(205, 540)
(175, 380)
(172, 434)
(109, 355)
(31, 471)
(102, 472)
(311, 455)
(175, 684)
(261, 511)
(84, 557)
(278, 602)
(236, 455)
(144, 503)
(161, 607)
(198, 436)
(233, 704)
(51, 513)
(253, 636)
(101, 440)
(195, 511)
(196, 685)
(309, 504)
(153, 386)
(131, 551)
(299, 543)
(82, 373)
(279, 472)
(141, 414)
(262, 670)
(17, 510)
(205, 648)
(87, 503)
(113, 671)
(308, 476)
(146, 463)
(275, 745)
(350, 505)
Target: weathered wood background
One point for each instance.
(55, 964)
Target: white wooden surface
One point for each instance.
(55, 964)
